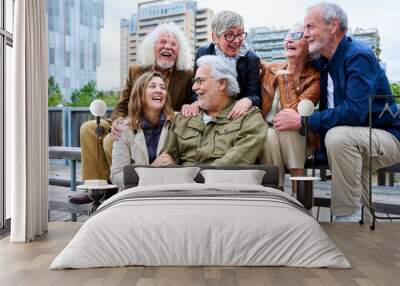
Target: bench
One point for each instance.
(72, 154)
(391, 170)
(323, 167)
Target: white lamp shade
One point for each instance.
(305, 107)
(98, 107)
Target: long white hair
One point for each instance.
(146, 55)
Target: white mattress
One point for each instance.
(224, 229)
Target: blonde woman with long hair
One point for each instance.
(147, 123)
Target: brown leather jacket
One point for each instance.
(291, 92)
(179, 89)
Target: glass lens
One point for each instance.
(9, 15)
(296, 35)
(232, 37)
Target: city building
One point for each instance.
(195, 23)
(203, 26)
(74, 41)
(268, 42)
(128, 46)
(369, 37)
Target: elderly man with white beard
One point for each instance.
(164, 50)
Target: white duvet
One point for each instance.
(221, 225)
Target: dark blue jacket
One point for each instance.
(356, 75)
(248, 74)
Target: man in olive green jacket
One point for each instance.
(212, 138)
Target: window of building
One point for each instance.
(67, 82)
(67, 21)
(51, 56)
(74, 59)
(6, 43)
(94, 57)
(9, 15)
(68, 59)
(51, 23)
(82, 61)
(81, 54)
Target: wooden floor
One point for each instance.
(374, 255)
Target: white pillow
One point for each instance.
(166, 176)
(248, 177)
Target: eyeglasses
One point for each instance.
(295, 35)
(200, 80)
(231, 37)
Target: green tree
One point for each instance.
(84, 96)
(54, 93)
(109, 97)
(395, 87)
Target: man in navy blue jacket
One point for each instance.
(350, 74)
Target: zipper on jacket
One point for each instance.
(286, 87)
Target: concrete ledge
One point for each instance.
(54, 181)
(61, 152)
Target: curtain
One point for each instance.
(27, 123)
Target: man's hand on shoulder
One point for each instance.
(190, 109)
(241, 107)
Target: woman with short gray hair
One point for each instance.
(228, 37)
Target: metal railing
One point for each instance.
(65, 123)
(390, 103)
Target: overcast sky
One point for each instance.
(382, 14)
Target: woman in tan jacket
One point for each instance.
(147, 124)
(284, 85)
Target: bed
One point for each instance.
(201, 224)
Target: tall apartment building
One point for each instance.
(183, 13)
(128, 46)
(268, 43)
(369, 37)
(74, 41)
(203, 26)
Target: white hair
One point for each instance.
(146, 55)
(224, 20)
(330, 10)
(296, 26)
(221, 70)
